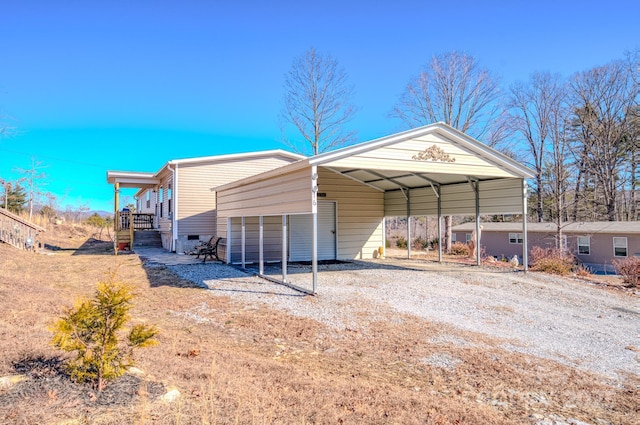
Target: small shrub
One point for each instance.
(459, 248)
(582, 271)
(629, 269)
(551, 260)
(401, 242)
(387, 243)
(92, 329)
(420, 243)
(433, 243)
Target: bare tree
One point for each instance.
(534, 114)
(604, 106)
(33, 176)
(455, 89)
(317, 104)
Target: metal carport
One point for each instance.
(432, 170)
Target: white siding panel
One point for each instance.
(300, 234)
(272, 239)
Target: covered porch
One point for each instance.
(127, 222)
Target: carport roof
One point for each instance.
(436, 154)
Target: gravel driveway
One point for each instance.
(569, 321)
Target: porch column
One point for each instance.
(284, 248)
(116, 216)
(525, 250)
(261, 246)
(243, 242)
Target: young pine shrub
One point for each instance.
(95, 330)
(551, 260)
(459, 248)
(401, 242)
(629, 269)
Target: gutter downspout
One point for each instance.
(174, 199)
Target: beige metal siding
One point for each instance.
(285, 194)
(197, 209)
(502, 196)
(360, 212)
(399, 156)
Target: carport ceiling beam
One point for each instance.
(433, 183)
(389, 179)
(345, 173)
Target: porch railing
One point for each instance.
(16, 231)
(140, 221)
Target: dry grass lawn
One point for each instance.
(248, 364)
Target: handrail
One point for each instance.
(18, 232)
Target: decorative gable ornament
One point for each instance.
(433, 153)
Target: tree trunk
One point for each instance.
(447, 233)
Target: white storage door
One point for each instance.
(300, 231)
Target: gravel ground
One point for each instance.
(569, 321)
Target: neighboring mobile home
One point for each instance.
(177, 199)
(594, 244)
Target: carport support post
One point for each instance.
(525, 253)
(476, 189)
(314, 251)
(408, 224)
(261, 246)
(284, 248)
(243, 243)
(439, 226)
(228, 253)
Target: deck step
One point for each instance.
(148, 239)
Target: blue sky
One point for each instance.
(128, 85)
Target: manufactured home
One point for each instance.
(594, 244)
(175, 202)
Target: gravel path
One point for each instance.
(568, 321)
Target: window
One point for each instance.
(584, 245)
(169, 199)
(467, 237)
(620, 247)
(453, 238)
(161, 198)
(148, 199)
(515, 238)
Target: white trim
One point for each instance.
(626, 246)
(234, 156)
(588, 244)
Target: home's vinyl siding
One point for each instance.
(197, 208)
